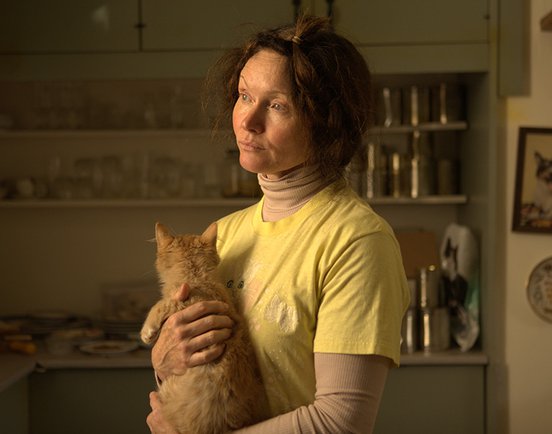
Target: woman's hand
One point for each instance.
(191, 337)
(156, 423)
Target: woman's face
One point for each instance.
(270, 136)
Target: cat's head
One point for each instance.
(180, 257)
(544, 169)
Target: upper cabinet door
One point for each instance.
(66, 26)
(410, 22)
(207, 24)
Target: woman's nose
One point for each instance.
(253, 120)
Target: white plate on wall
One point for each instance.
(539, 289)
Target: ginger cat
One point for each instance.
(223, 395)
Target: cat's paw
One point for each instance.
(148, 334)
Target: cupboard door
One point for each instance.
(407, 22)
(433, 400)
(90, 401)
(14, 409)
(209, 24)
(68, 26)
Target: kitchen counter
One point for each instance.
(77, 360)
(453, 357)
(14, 367)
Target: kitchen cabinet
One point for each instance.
(402, 36)
(404, 22)
(207, 25)
(14, 412)
(125, 39)
(93, 26)
(167, 39)
(63, 26)
(83, 393)
(90, 401)
(414, 401)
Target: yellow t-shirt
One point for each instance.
(328, 279)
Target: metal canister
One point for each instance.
(416, 105)
(388, 107)
(421, 166)
(231, 172)
(428, 287)
(409, 331)
(376, 171)
(447, 103)
(434, 329)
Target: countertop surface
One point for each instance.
(450, 357)
(14, 367)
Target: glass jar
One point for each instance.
(230, 180)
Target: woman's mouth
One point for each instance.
(249, 146)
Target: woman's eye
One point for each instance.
(244, 97)
(277, 106)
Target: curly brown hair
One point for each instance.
(330, 80)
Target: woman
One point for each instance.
(318, 273)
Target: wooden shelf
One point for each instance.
(128, 203)
(546, 22)
(456, 199)
(206, 203)
(427, 127)
(399, 129)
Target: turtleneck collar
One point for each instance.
(286, 195)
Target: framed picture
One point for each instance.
(533, 189)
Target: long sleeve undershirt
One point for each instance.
(348, 393)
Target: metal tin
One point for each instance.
(409, 331)
(428, 285)
(376, 171)
(388, 106)
(416, 105)
(434, 329)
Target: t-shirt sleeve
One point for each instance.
(363, 298)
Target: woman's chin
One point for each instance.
(251, 166)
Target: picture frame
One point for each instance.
(533, 183)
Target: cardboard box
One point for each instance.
(419, 249)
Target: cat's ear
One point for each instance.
(162, 236)
(210, 235)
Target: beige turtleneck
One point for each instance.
(287, 195)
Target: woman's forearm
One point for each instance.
(349, 391)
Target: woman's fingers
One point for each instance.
(155, 401)
(203, 325)
(204, 343)
(155, 420)
(199, 310)
(207, 355)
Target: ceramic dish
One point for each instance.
(107, 348)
